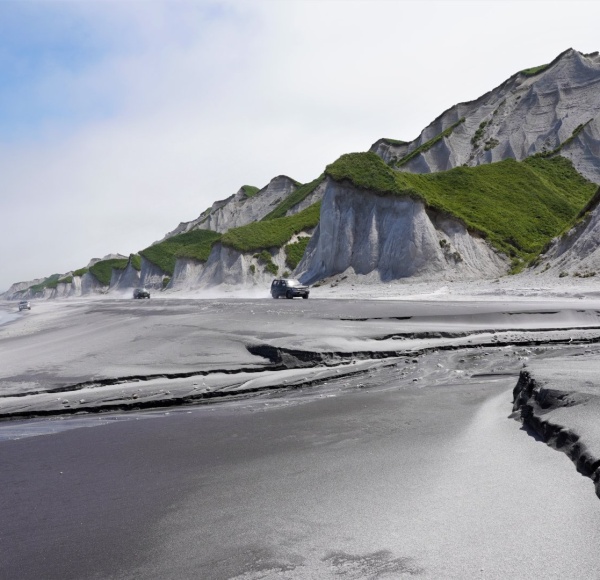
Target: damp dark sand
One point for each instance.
(410, 468)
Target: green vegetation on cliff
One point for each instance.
(194, 245)
(250, 190)
(567, 141)
(534, 70)
(266, 260)
(517, 206)
(429, 144)
(294, 199)
(103, 270)
(295, 251)
(273, 233)
(136, 261)
(49, 282)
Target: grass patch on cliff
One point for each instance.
(566, 142)
(390, 141)
(136, 261)
(81, 272)
(194, 245)
(295, 251)
(49, 282)
(517, 206)
(535, 70)
(265, 258)
(250, 190)
(294, 199)
(102, 270)
(272, 233)
(429, 144)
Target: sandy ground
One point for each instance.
(364, 437)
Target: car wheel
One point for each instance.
(289, 295)
(305, 296)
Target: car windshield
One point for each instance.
(293, 283)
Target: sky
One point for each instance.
(121, 119)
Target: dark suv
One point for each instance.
(288, 288)
(141, 293)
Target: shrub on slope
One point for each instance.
(517, 206)
(295, 251)
(250, 190)
(195, 245)
(272, 233)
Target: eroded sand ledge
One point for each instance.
(559, 400)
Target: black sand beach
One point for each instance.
(410, 468)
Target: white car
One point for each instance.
(24, 305)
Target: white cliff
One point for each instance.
(388, 237)
(557, 108)
(239, 209)
(577, 252)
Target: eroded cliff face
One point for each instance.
(239, 209)
(558, 107)
(577, 252)
(151, 276)
(126, 278)
(228, 267)
(388, 238)
(19, 290)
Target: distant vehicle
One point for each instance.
(24, 305)
(141, 293)
(288, 288)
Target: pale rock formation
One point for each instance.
(126, 278)
(91, 285)
(392, 237)
(18, 290)
(239, 209)
(525, 115)
(229, 267)
(577, 252)
(151, 276)
(309, 200)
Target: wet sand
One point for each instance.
(434, 482)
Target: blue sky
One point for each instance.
(120, 119)
(43, 48)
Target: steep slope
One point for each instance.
(577, 251)
(392, 238)
(246, 206)
(97, 277)
(550, 109)
(250, 255)
(463, 223)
